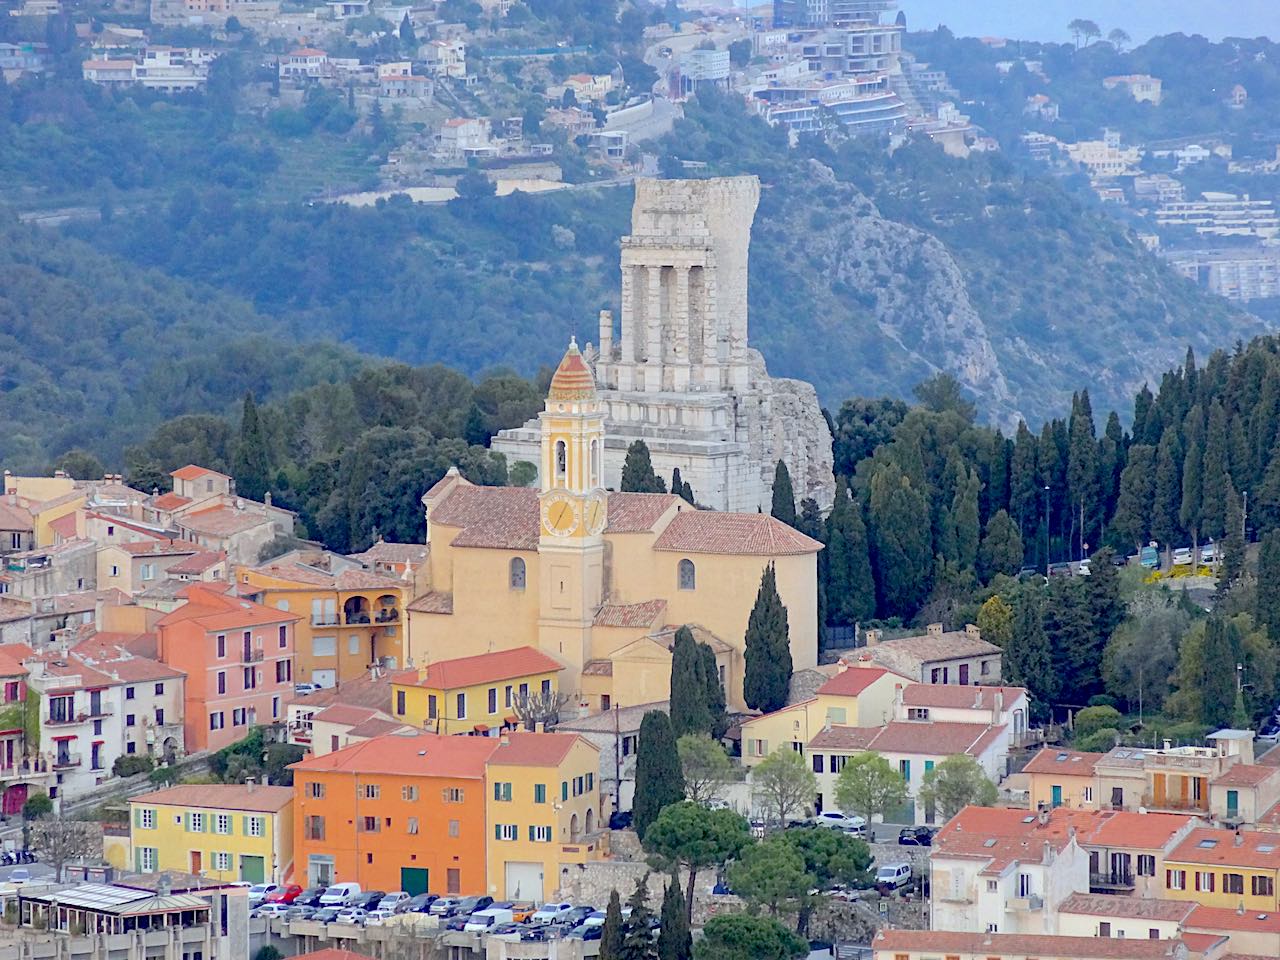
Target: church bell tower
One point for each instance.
(573, 511)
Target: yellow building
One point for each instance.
(353, 618)
(597, 579)
(480, 694)
(854, 697)
(1225, 868)
(1063, 778)
(542, 812)
(225, 831)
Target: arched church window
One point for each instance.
(687, 575)
(517, 575)
(561, 465)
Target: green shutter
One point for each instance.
(186, 821)
(244, 825)
(531, 832)
(564, 790)
(137, 818)
(497, 831)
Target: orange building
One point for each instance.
(238, 658)
(394, 813)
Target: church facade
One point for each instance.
(677, 371)
(600, 580)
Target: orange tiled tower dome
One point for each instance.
(572, 379)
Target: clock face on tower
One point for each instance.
(596, 516)
(560, 514)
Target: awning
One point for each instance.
(66, 736)
(481, 728)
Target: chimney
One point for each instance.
(239, 504)
(539, 727)
(897, 697)
(1239, 839)
(998, 709)
(250, 783)
(873, 637)
(505, 740)
(933, 630)
(1043, 816)
(266, 499)
(972, 632)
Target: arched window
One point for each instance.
(561, 467)
(687, 577)
(517, 574)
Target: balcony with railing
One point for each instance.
(1028, 904)
(250, 656)
(1111, 881)
(325, 620)
(64, 760)
(1176, 804)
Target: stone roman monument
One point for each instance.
(678, 373)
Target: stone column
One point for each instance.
(606, 349)
(627, 360)
(712, 335)
(653, 321)
(680, 329)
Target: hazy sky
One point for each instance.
(1047, 19)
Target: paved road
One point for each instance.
(38, 871)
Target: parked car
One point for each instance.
(270, 910)
(586, 931)
(620, 820)
(594, 919)
(469, 905)
(19, 875)
(483, 920)
(352, 915)
(893, 876)
(1211, 553)
(1060, 569)
(835, 820)
(301, 912)
(421, 903)
(507, 931)
(325, 914)
(393, 900)
(544, 931)
(1182, 557)
(1084, 567)
(367, 900)
(444, 906)
(302, 689)
(577, 915)
(1149, 557)
(915, 837)
(457, 922)
(522, 910)
(1270, 730)
(309, 897)
(378, 917)
(550, 913)
(339, 894)
(259, 892)
(286, 894)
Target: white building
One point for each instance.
(1222, 215)
(445, 58)
(305, 62)
(937, 703)
(1140, 86)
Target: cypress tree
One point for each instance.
(252, 467)
(810, 521)
(659, 779)
(637, 939)
(611, 934)
(1215, 674)
(475, 430)
(1001, 550)
(1214, 476)
(1134, 505)
(1192, 477)
(689, 709)
(714, 692)
(1166, 505)
(768, 649)
(679, 487)
(964, 521)
(674, 939)
(901, 551)
(850, 589)
(637, 471)
(1025, 502)
(1082, 468)
(1142, 432)
(1268, 590)
(1232, 541)
(1111, 460)
(1028, 659)
(784, 497)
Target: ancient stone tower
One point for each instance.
(677, 371)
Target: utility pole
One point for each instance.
(617, 763)
(1046, 530)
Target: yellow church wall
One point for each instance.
(441, 556)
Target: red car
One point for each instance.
(286, 894)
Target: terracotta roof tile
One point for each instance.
(332, 953)
(1023, 944)
(192, 472)
(198, 562)
(159, 548)
(432, 602)
(222, 521)
(638, 512)
(423, 755)
(844, 738)
(170, 501)
(13, 517)
(346, 714)
(377, 727)
(502, 518)
(643, 614)
(1228, 920)
(1071, 763)
(743, 534)
(218, 611)
(958, 697)
(365, 691)
(1245, 775)
(598, 668)
(12, 609)
(929, 647)
(1213, 847)
(535, 749)
(1136, 908)
(851, 682)
(220, 796)
(482, 668)
(936, 739)
(392, 553)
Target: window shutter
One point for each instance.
(244, 825)
(137, 818)
(530, 832)
(1168, 879)
(497, 831)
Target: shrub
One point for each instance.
(132, 763)
(37, 806)
(1092, 719)
(1100, 741)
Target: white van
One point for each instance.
(483, 920)
(338, 894)
(894, 875)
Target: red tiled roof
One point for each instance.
(64, 526)
(345, 714)
(392, 553)
(1245, 775)
(1023, 944)
(851, 682)
(422, 755)
(198, 562)
(1125, 828)
(934, 739)
(958, 697)
(844, 738)
(1228, 920)
(535, 749)
(1256, 849)
(376, 727)
(1204, 944)
(1136, 908)
(112, 658)
(170, 501)
(11, 659)
(743, 534)
(432, 602)
(483, 668)
(222, 520)
(217, 611)
(365, 691)
(13, 517)
(158, 548)
(502, 518)
(637, 512)
(192, 472)
(332, 953)
(643, 614)
(1070, 763)
(221, 796)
